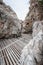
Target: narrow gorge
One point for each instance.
(21, 41)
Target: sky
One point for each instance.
(21, 7)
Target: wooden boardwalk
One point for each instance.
(10, 50)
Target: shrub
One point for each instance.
(40, 2)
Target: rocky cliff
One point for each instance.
(9, 22)
(32, 54)
(35, 14)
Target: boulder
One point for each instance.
(9, 22)
(32, 54)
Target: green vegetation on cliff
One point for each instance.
(40, 2)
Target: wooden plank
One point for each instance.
(14, 56)
(11, 58)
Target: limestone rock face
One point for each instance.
(37, 26)
(9, 22)
(1, 1)
(32, 54)
(35, 14)
(27, 26)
